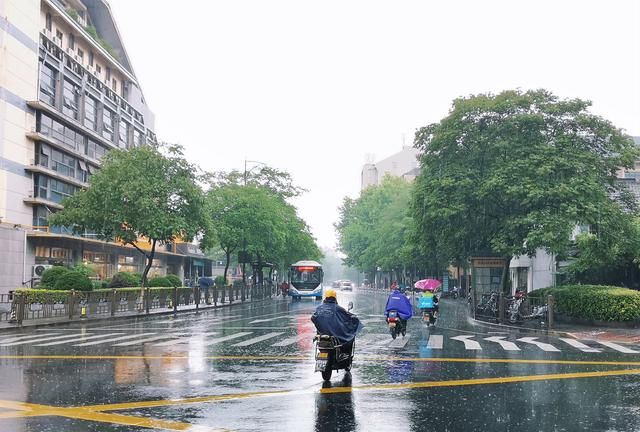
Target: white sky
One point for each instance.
(313, 87)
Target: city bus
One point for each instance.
(305, 278)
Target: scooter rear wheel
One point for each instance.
(326, 374)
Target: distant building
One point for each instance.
(68, 95)
(402, 164)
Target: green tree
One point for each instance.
(372, 229)
(278, 182)
(143, 192)
(514, 172)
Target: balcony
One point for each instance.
(41, 201)
(35, 168)
(37, 136)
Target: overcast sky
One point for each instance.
(313, 87)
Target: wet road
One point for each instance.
(250, 368)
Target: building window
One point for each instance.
(41, 186)
(90, 113)
(59, 190)
(60, 133)
(107, 124)
(108, 74)
(123, 135)
(94, 257)
(72, 41)
(124, 90)
(40, 219)
(82, 172)
(114, 85)
(63, 164)
(48, 21)
(81, 55)
(70, 98)
(95, 150)
(90, 58)
(138, 137)
(48, 77)
(42, 158)
(60, 36)
(98, 69)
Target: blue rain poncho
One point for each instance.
(399, 302)
(333, 320)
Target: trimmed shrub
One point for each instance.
(160, 281)
(50, 276)
(73, 281)
(124, 280)
(595, 302)
(175, 280)
(219, 281)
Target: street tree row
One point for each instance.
(507, 175)
(154, 194)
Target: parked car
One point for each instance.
(346, 285)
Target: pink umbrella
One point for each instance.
(427, 284)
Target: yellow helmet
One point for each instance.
(330, 293)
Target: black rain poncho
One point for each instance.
(332, 319)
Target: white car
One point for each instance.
(346, 285)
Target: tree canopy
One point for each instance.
(138, 193)
(510, 173)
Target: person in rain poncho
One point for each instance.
(332, 319)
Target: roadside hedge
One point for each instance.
(73, 280)
(55, 296)
(595, 302)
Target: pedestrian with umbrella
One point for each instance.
(428, 301)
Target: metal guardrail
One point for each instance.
(16, 308)
(528, 311)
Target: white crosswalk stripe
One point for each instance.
(98, 342)
(620, 348)
(258, 339)
(78, 339)
(184, 340)
(399, 342)
(287, 341)
(226, 338)
(17, 338)
(505, 345)
(435, 341)
(582, 347)
(151, 339)
(543, 346)
(41, 339)
(468, 344)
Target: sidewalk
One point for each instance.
(576, 331)
(5, 326)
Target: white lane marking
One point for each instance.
(435, 342)
(288, 341)
(543, 346)
(151, 339)
(371, 320)
(399, 342)
(258, 339)
(468, 344)
(184, 340)
(98, 342)
(44, 339)
(226, 338)
(506, 345)
(270, 319)
(17, 338)
(83, 338)
(620, 348)
(582, 347)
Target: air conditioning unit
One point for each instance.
(38, 269)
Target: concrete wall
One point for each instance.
(12, 258)
(540, 269)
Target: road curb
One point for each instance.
(35, 324)
(476, 322)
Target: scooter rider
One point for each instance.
(399, 302)
(332, 319)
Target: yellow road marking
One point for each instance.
(96, 412)
(371, 387)
(309, 358)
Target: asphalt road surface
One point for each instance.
(251, 367)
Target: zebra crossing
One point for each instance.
(280, 339)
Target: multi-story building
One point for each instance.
(402, 164)
(68, 95)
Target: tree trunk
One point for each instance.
(226, 266)
(149, 257)
(505, 275)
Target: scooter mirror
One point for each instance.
(350, 306)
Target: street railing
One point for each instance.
(33, 304)
(528, 311)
